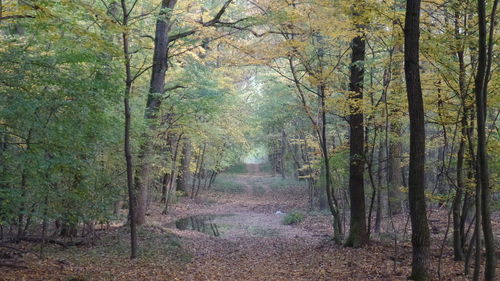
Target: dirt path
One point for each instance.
(258, 208)
(254, 243)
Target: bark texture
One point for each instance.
(416, 181)
(358, 235)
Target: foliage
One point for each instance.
(293, 217)
(59, 122)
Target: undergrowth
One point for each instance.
(293, 217)
(226, 183)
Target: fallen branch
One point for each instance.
(64, 244)
(11, 265)
(13, 248)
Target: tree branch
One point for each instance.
(17, 17)
(212, 22)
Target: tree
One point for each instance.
(416, 182)
(481, 92)
(129, 79)
(358, 235)
(185, 174)
(162, 40)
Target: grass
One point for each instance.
(293, 218)
(263, 232)
(226, 183)
(279, 183)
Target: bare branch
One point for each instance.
(16, 17)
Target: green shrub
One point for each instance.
(293, 217)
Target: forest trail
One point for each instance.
(254, 244)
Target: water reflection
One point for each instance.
(204, 224)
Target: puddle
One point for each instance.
(204, 224)
(233, 225)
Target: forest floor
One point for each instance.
(236, 232)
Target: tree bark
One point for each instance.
(156, 89)
(482, 174)
(358, 235)
(378, 215)
(185, 173)
(416, 181)
(458, 229)
(457, 200)
(283, 153)
(127, 149)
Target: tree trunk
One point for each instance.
(282, 153)
(358, 235)
(157, 87)
(127, 149)
(170, 194)
(378, 215)
(201, 171)
(185, 173)
(395, 176)
(456, 206)
(395, 147)
(416, 181)
(458, 225)
(482, 174)
(332, 202)
(164, 187)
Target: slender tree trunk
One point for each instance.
(395, 146)
(127, 149)
(201, 170)
(477, 229)
(457, 200)
(481, 91)
(44, 226)
(185, 173)
(358, 235)
(378, 215)
(164, 187)
(395, 176)
(458, 217)
(416, 196)
(22, 209)
(282, 153)
(320, 129)
(23, 187)
(195, 175)
(170, 194)
(332, 202)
